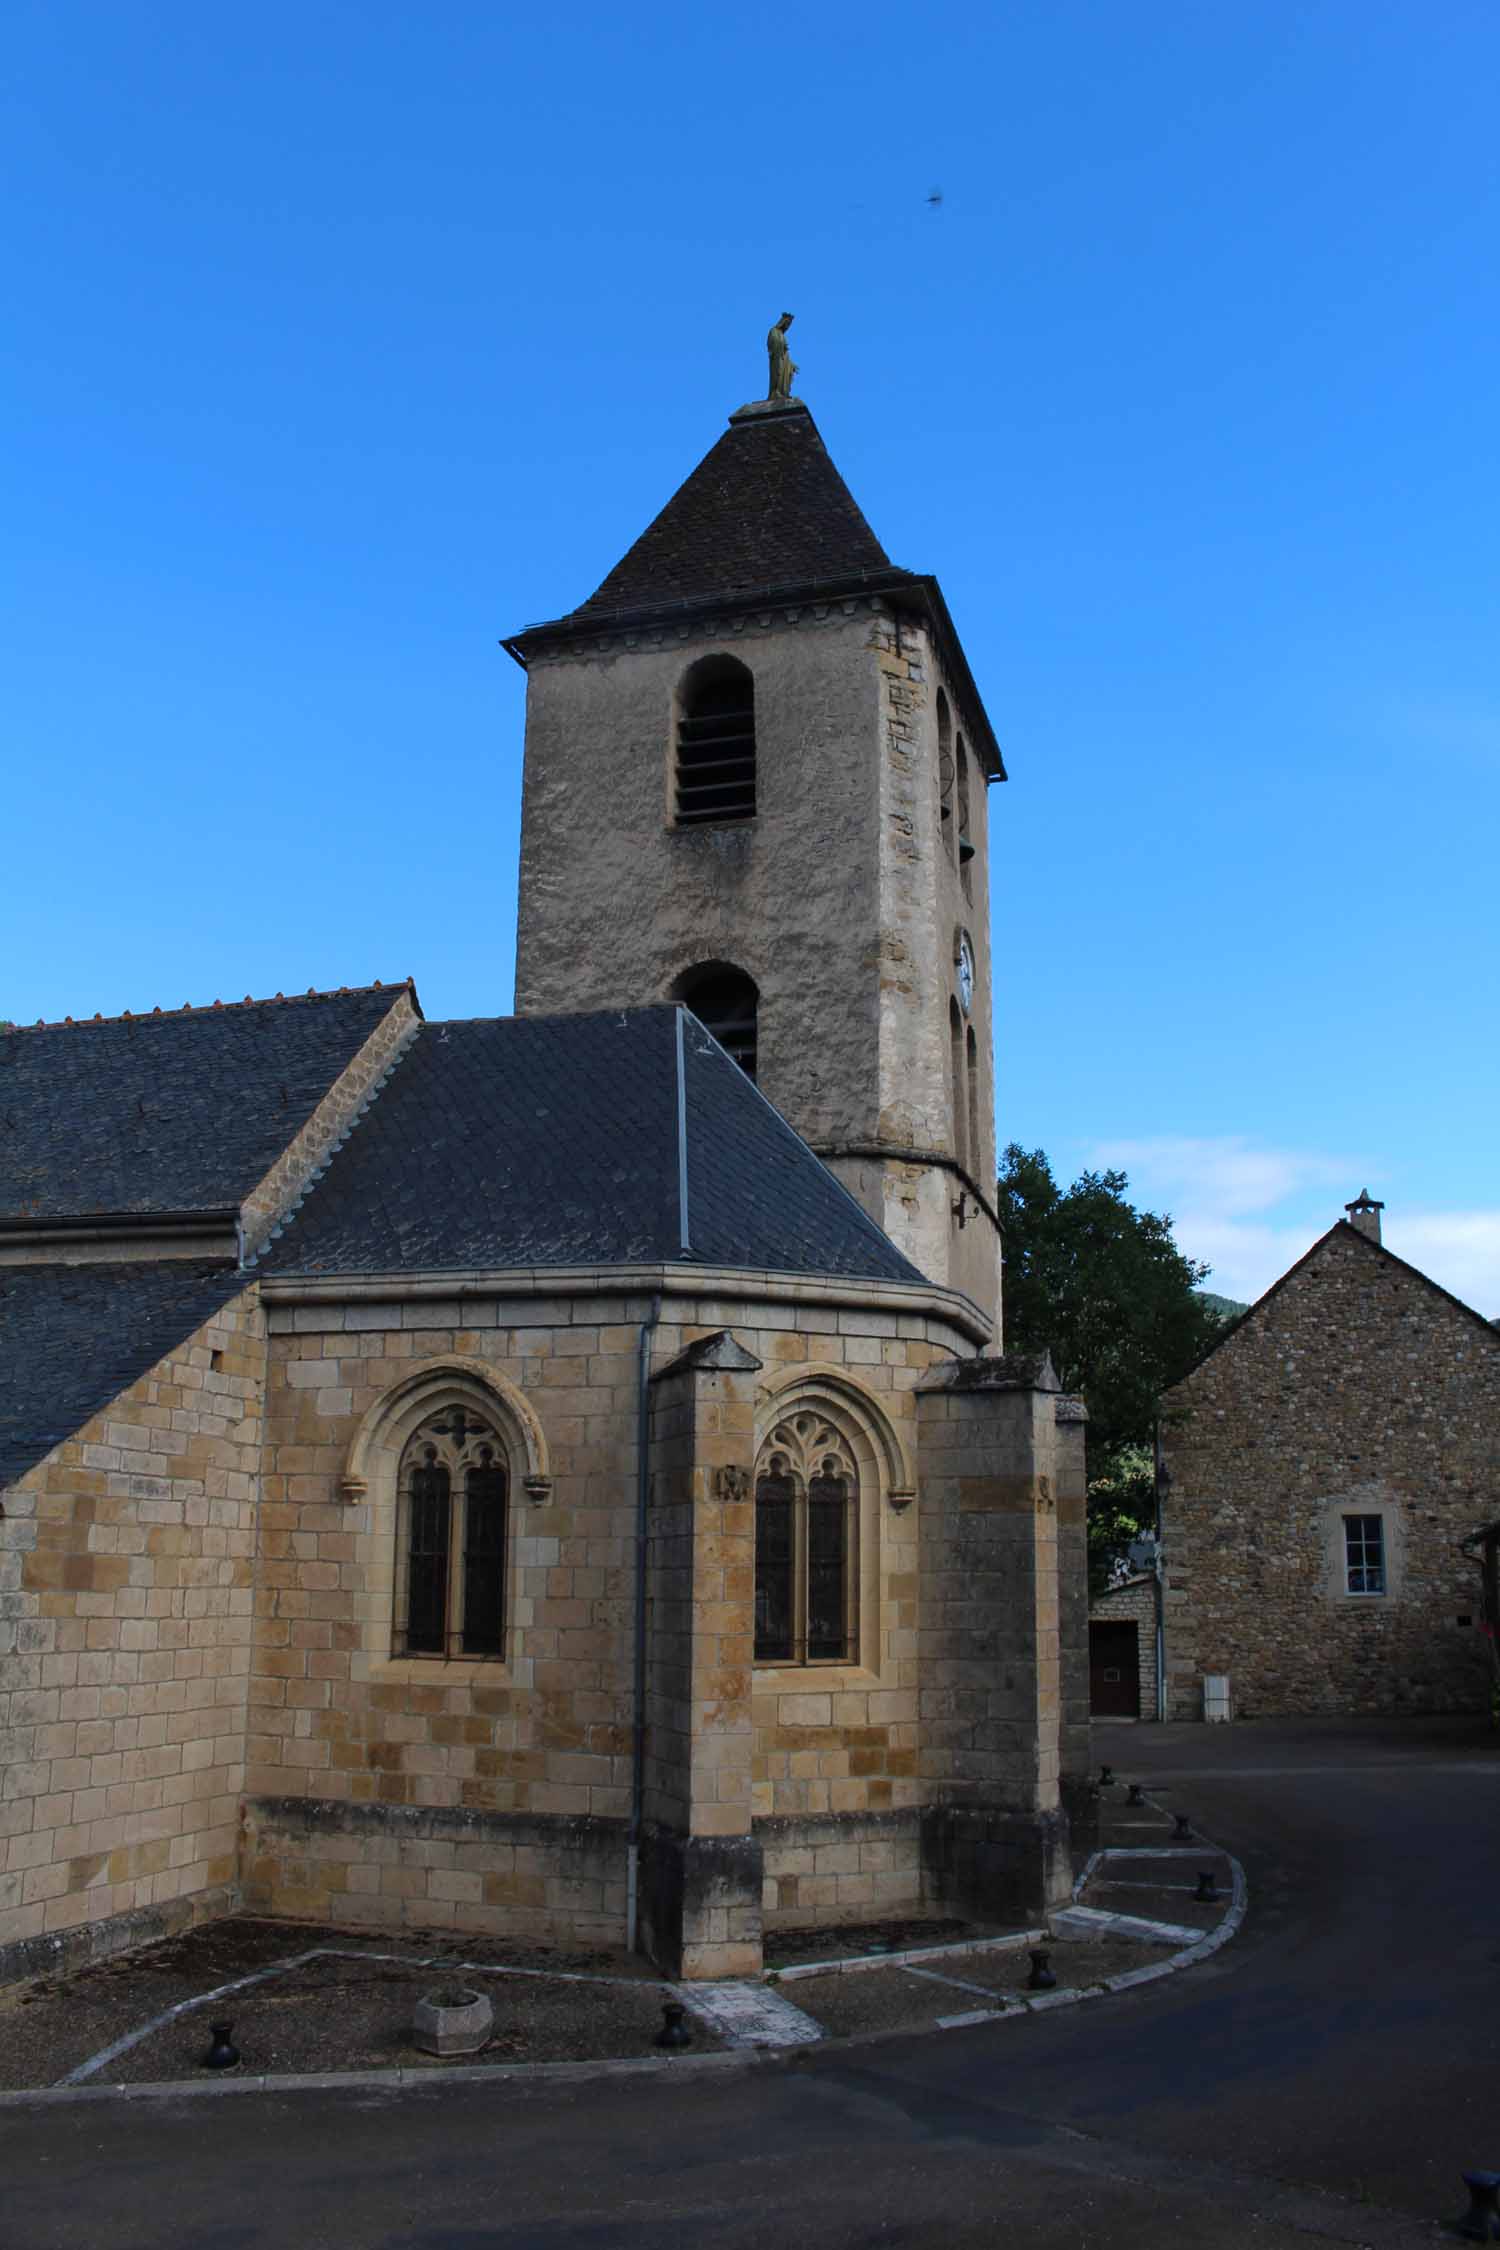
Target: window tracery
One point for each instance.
(806, 1526)
(454, 1493)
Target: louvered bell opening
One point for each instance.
(716, 765)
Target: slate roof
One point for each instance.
(765, 508)
(179, 1113)
(553, 1141)
(765, 514)
(73, 1337)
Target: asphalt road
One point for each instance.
(1325, 2078)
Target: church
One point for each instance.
(559, 1476)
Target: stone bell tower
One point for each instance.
(756, 765)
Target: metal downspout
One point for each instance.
(638, 1720)
(642, 1507)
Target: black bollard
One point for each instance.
(1184, 1825)
(1208, 1890)
(1042, 1977)
(1481, 2222)
(1135, 1794)
(674, 2032)
(1106, 1777)
(222, 2055)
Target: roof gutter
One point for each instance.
(172, 1233)
(738, 1284)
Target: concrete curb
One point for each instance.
(1009, 2008)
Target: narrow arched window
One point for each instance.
(806, 1534)
(727, 1003)
(945, 773)
(714, 776)
(959, 1099)
(965, 834)
(453, 1486)
(971, 1077)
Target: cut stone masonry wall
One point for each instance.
(125, 1623)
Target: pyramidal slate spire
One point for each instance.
(765, 511)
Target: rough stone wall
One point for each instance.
(270, 1201)
(616, 903)
(1355, 1387)
(838, 898)
(1074, 1742)
(926, 900)
(1136, 1601)
(125, 1621)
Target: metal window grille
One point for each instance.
(1364, 1554)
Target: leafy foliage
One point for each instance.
(1106, 1290)
(1122, 1505)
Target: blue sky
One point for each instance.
(345, 339)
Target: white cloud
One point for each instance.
(1252, 1212)
(1460, 1249)
(1227, 1175)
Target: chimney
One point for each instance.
(1364, 1215)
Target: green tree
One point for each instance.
(1106, 1290)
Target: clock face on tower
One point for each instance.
(965, 973)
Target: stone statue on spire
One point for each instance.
(783, 367)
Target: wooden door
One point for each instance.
(1114, 1668)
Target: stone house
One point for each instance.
(508, 1475)
(1122, 1650)
(1326, 1464)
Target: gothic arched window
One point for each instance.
(727, 1003)
(715, 764)
(959, 1097)
(453, 1486)
(806, 1533)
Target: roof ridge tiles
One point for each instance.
(208, 1007)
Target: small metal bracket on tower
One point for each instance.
(960, 1208)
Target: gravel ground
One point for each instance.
(47, 2029)
(895, 2000)
(1157, 1904)
(783, 1948)
(356, 2015)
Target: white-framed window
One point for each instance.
(1364, 1554)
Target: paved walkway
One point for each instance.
(1323, 2079)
